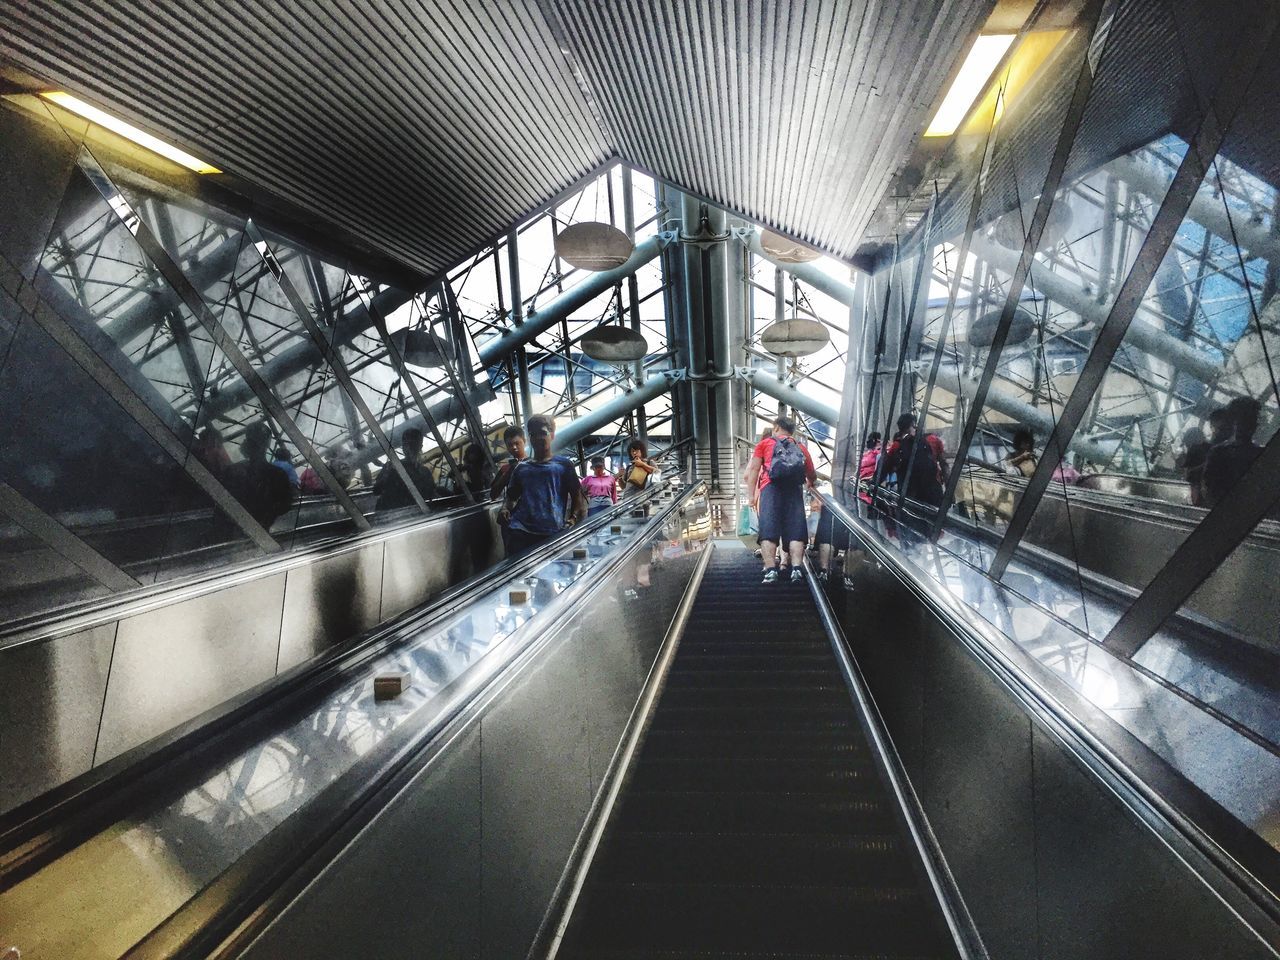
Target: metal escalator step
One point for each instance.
(881, 919)
(626, 954)
(691, 660)
(727, 743)
(792, 678)
(851, 776)
(772, 858)
(764, 811)
(758, 697)
(749, 718)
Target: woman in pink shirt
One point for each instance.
(600, 488)
(867, 467)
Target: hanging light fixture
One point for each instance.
(614, 344)
(798, 337)
(418, 348)
(983, 330)
(785, 250)
(593, 246)
(1010, 231)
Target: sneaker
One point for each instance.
(797, 575)
(822, 576)
(770, 576)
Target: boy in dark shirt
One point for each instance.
(544, 494)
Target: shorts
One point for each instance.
(782, 517)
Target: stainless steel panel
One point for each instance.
(409, 887)
(415, 568)
(536, 792)
(1105, 891)
(975, 784)
(329, 601)
(174, 663)
(49, 712)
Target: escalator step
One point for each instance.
(732, 743)
(777, 858)
(881, 919)
(833, 695)
(748, 718)
(695, 661)
(786, 679)
(765, 812)
(850, 776)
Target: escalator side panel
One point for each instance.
(465, 861)
(1049, 861)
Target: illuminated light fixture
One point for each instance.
(987, 52)
(128, 131)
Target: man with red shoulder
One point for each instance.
(779, 470)
(907, 428)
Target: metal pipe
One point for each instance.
(1145, 336)
(770, 385)
(1150, 179)
(619, 406)
(542, 320)
(445, 411)
(808, 273)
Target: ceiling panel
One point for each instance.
(427, 127)
(423, 128)
(795, 113)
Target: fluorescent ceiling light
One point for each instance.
(982, 61)
(128, 131)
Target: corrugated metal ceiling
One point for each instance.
(426, 128)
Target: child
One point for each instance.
(635, 476)
(601, 488)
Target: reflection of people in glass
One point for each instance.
(867, 465)
(283, 461)
(390, 489)
(259, 485)
(513, 440)
(600, 488)
(1023, 458)
(1195, 451)
(210, 450)
(1228, 461)
(475, 469)
(544, 494)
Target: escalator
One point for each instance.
(755, 821)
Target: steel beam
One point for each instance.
(1150, 179)
(62, 541)
(771, 386)
(444, 411)
(584, 426)
(807, 273)
(539, 321)
(1146, 336)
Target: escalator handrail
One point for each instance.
(43, 828)
(1238, 866)
(224, 917)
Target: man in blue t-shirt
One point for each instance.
(544, 494)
